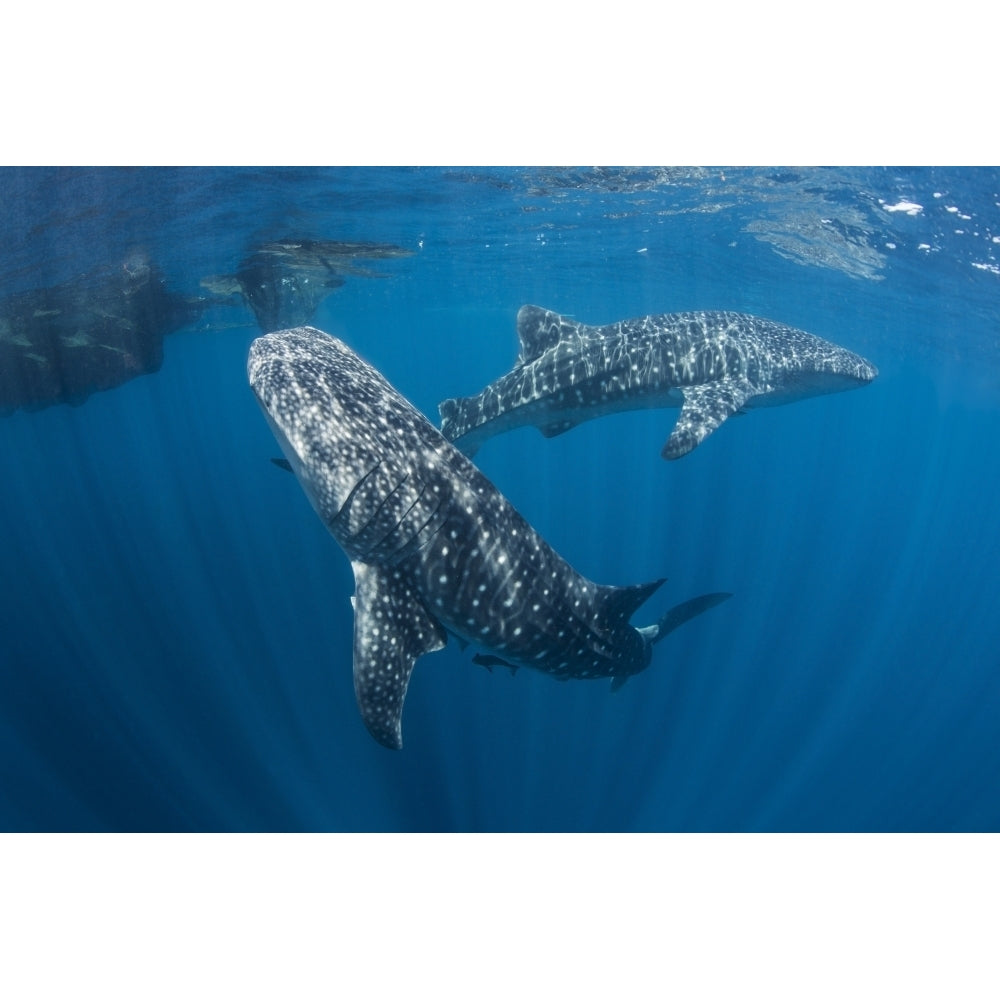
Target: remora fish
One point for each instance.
(710, 364)
(434, 546)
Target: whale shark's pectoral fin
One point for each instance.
(705, 408)
(391, 629)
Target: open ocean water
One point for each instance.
(175, 621)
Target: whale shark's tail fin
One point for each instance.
(468, 421)
(674, 618)
(682, 613)
(620, 603)
(459, 417)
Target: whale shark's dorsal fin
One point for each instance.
(539, 329)
(391, 629)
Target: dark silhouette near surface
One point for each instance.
(64, 343)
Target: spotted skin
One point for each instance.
(710, 364)
(435, 548)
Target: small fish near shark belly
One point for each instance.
(436, 549)
(711, 364)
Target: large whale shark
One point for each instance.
(710, 364)
(435, 548)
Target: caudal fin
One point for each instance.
(620, 603)
(674, 618)
(681, 613)
(459, 417)
(451, 417)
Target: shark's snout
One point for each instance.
(264, 364)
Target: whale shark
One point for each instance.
(710, 364)
(284, 281)
(436, 550)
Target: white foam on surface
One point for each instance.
(909, 207)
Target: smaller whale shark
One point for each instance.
(436, 550)
(710, 364)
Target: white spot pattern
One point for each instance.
(424, 529)
(712, 364)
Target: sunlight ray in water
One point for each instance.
(176, 627)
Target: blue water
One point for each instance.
(175, 622)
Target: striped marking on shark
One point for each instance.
(710, 364)
(436, 549)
